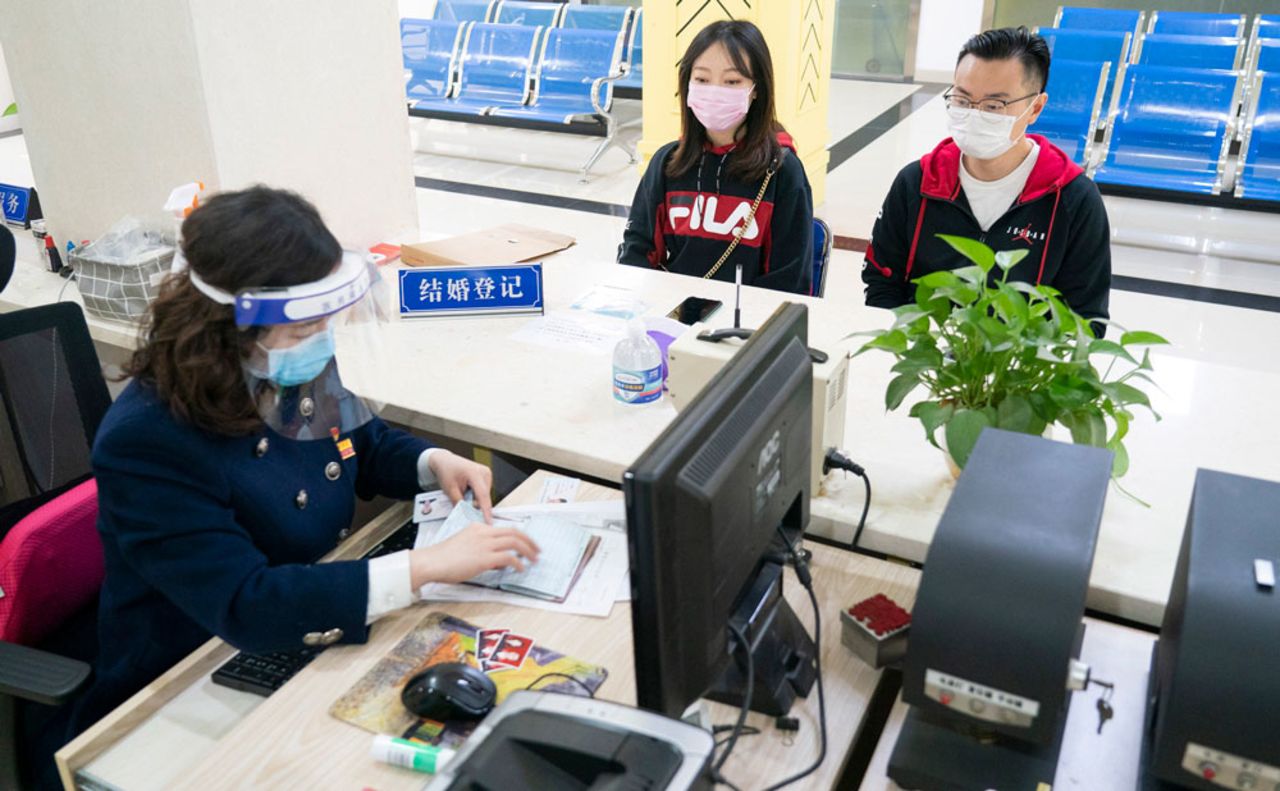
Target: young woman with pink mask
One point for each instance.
(732, 155)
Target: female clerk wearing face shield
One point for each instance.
(232, 461)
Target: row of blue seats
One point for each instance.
(1171, 128)
(558, 79)
(1193, 23)
(1170, 108)
(1163, 49)
(539, 13)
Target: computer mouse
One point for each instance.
(450, 691)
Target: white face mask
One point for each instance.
(982, 135)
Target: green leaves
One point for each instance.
(933, 414)
(991, 351)
(1140, 338)
(1015, 414)
(977, 252)
(898, 389)
(962, 434)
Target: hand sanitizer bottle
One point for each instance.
(637, 367)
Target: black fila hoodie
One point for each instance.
(686, 224)
(1059, 217)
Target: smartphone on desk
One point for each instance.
(694, 310)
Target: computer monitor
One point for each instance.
(704, 505)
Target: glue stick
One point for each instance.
(410, 755)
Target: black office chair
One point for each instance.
(52, 400)
(8, 254)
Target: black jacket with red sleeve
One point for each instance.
(685, 224)
(1059, 218)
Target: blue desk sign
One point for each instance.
(471, 290)
(21, 205)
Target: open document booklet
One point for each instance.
(566, 548)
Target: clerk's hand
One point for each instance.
(456, 475)
(474, 550)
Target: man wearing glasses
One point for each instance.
(993, 182)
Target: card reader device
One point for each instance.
(1213, 718)
(996, 629)
(552, 740)
(693, 361)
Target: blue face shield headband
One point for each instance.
(291, 372)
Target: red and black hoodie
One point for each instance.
(1059, 217)
(686, 223)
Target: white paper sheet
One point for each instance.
(559, 489)
(577, 330)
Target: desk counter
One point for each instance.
(183, 732)
(468, 379)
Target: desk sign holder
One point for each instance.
(21, 205)
(471, 290)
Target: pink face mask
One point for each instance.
(717, 107)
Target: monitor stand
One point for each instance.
(783, 652)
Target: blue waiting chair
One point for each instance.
(574, 86)
(1114, 19)
(630, 86)
(821, 257)
(1076, 90)
(1092, 46)
(1266, 56)
(1258, 176)
(528, 13)
(494, 70)
(1197, 23)
(463, 10)
(1189, 52)
(613, 18)
(574, 76)
(430, 50)
(1266, 26)
(1172, 130)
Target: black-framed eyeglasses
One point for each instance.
(994, 106)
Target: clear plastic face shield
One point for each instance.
(304, 333)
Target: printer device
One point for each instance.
(553, 740)
(997, 628)
(1213, 716)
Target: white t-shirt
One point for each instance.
(989, 200)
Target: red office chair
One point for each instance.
(52, 399)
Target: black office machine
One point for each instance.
(996, 629)
(1214, 706)
(549, 740)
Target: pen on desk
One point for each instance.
(410, 755)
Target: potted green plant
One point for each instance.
(991, 352)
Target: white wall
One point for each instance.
(417, 9)
(944, 27)
(311, 96)
(123, 100)
(112, 110)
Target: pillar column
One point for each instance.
(799, 34)
(123, 100)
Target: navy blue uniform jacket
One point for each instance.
(205, 537)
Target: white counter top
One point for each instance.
(468, 379)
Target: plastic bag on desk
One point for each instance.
(119, 273)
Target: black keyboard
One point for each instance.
(263, 674)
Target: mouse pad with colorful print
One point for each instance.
(513, 661)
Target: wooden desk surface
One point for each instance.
(290, 741)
